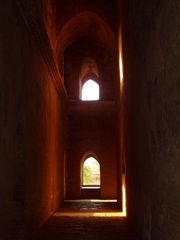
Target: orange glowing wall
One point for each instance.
(45, 126)
(32, 129)
(45, 131)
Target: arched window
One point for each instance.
(90, 91)
(91, 172)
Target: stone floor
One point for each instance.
(86, 220)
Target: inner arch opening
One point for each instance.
(90, 91)
(91, 173)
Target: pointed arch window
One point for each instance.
(90, 91)
(91, 172)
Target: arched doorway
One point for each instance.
(90, 178)
(91, 172)
(90, 91)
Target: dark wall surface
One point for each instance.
(104, 8)
(152, 71)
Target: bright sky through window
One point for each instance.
(90, 91)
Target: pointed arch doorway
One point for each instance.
(90, 91)
(90, 178)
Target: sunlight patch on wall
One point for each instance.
(121, 70)
(124, 208)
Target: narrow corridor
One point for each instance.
(89, 79)
(85, 220)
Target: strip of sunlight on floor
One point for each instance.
(89, 214)
(72, 213)
(95, 214)
(92, 200)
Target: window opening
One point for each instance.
(90, 91)
(91, 173)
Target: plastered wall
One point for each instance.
(32, 130)
(91, 125)
(151, 63)
(92, 129)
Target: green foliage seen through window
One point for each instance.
(91, 172)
